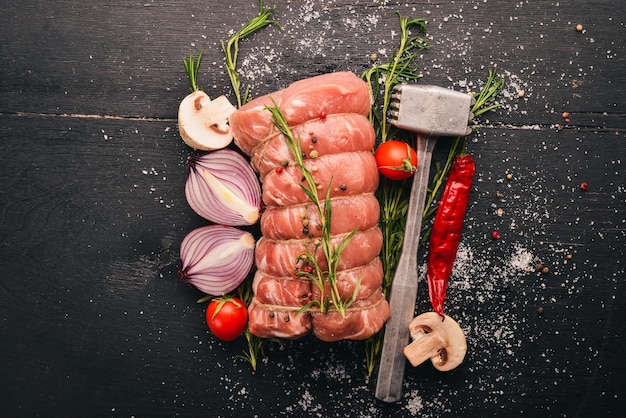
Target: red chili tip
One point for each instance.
(584, 185)
(495, 235)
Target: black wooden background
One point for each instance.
(94, 321)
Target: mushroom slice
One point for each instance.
(439, 339)
(203, 123)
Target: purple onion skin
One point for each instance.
(233, 171)
(216, 259)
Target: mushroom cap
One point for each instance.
(439, 339)
(203, 123)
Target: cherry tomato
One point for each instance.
(227, 317)
(396, 160)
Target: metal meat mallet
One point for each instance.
(430, 112)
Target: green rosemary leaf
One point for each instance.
(192, 67)
(231, 49)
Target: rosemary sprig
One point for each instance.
(192, 66)
(331, 252)
(231, 49)
(392, 195)
(400, 68)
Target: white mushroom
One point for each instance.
(440, 340)
(203, 123)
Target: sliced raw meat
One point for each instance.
(283, 291)
(346, 174)
(366, 279)
(253, 122)
(327, 94)
(335, 134)
(363, 319)
(311, 98)
(271, 321)
(280, 258)
(301, 221)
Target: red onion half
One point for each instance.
(222, 188)
(216, 258)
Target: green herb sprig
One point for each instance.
(331, 252)
(400, 68)
(231, 49)
(192, 66)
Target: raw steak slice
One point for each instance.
(301, 221)
(347, 174)
(363, 319)
(280, 258)
(252, 122)
(271, 321)
(311, 98)
(366, 279)
(283, 291)
(337, 133)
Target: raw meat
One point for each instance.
(344, 132)
(302, 221)
(363, 319)
(346, 174)
(327, 115)
(311, 98)
(280, 257)
(269, 321)
(282, 291)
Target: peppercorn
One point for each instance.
(305, 231)
(343, 187)
(279, 169)
(271, 315)
(545, 270)
(565, 115)
(538, 266)
(568, 256)
(540, 311)
(314, 140)
(579, 27)
(509, 176)
(584, 186)
(495, 234)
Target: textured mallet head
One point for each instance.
(431, 110)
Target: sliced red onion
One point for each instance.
(216, 258)
(222, 188)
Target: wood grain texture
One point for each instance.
(94, 320)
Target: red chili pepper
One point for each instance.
(446, 231)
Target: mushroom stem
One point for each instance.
(425, 345)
